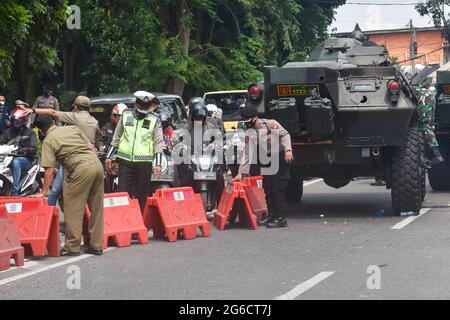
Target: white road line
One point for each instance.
(307, 184)
(408, 220)
(47, 267)
(305, 286)
(28, 264)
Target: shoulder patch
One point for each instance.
(273, 125)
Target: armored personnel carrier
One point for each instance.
(350, 114)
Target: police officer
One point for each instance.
(137, 143)
(274, 183)
(83, 184)
(426, 111)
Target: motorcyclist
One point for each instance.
(203, 130)
(26, 142)
(168, 130)
(215, 113)
(109, 128)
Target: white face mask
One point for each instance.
(2, 103)
(142, 111)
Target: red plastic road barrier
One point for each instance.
(253, 187)
(234, 202)
(176, 211)
(38, 225)
(9, 241)
(123, 219)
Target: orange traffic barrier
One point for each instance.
(9, 241)
(176, 211)
(123, 220)
(253, 187)
(234, 202)
(38, 225)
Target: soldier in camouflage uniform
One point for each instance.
(426, 111)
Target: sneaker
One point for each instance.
(280, 222)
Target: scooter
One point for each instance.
(29, 181)
(208, 178)
(169, 177)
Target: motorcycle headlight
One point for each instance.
(205, 163)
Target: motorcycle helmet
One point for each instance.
(212, 110)
(165, 119)
(19, 118)
(197, 109)
(119, 109)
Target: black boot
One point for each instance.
(436, 157)
(279, 222)
(264, 221)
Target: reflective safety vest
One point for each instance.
(137, 141)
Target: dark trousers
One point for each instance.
(135, 179)
(275, 187)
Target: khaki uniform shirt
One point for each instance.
(262, 135)
(43, 102)
(83, 120)
(68, 146)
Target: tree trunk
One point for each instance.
(176, 85)
(22, 71)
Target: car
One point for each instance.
(350, 114)
(231, 103)
(102, 106)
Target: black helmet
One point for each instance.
(165, 118)
(197, 109)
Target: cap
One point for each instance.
(144, 96)
(83, 101)
(249, 112)
(43, 121)
(20, 103)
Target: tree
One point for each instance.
(436, 10)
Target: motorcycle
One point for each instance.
(111, 181)
(234, 146)
(29, 181)
(169, 177)
(208, 178)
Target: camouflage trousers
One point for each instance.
(426, 120)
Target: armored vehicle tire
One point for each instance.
(407, 174)
(294, 191)
(439, 177)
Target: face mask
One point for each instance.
(2, 103)
(142, 111)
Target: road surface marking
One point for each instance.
(47, 267)
(28, 264)
(408, 220)
(305, 286)
(307, 184)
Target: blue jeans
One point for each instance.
(19, 164)
(57, 187)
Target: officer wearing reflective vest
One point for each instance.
(268, 152)
(137, 144)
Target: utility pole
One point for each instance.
(411, 45)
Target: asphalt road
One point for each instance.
(334, 238)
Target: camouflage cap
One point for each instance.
(83, 101)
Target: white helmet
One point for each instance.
(119, 109)
(146, 97)
(212, 110)
(219, 113)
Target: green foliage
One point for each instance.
(141, 44)
(436, 10)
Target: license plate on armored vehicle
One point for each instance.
(205, 176)
(297, 90)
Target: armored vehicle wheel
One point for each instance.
(407, 174)
(439, 176)
(294, 191)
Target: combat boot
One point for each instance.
(436, 157)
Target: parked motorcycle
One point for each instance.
(29, 181)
